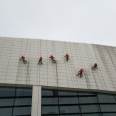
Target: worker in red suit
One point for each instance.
(23, 59)
(40, 60)
(94, 67)
(67, 57)
(80, 72)
(52, 59)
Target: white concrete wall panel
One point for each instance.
(62, 74)
(36, 101)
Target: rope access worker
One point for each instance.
(94, 67)
(80, 72)
(22, 58)
(52, 59)
(67, 57)
(40, 61)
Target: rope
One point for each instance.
(87, 80)
(57, 87)
(27, 75)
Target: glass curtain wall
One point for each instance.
(15, 101)
(77, 103)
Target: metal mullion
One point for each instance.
(49, 114)
(14, 102)
(59, 104)
(24, 115)
(86, 95)
(79, 106)
(15, 97)
(18, 106)
(99, 105)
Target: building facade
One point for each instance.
(52, 78)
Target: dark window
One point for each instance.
(77, 103)
(15, 101)
(87, 100)
(90, 108)
(7, 92)
(22, 101)
(6, 112)
(50, 101)
(48, 93)
(71, 115)
(68, 100)
(24, 92)
(50, 110)
(69, 109)
(6, 102)
(108, 108)
(18, 111)
(104, 98)
(92, 114)
(86, 94)
(65, 93)
(109, 114)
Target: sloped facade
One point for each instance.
(59, 75)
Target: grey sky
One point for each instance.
(92, 21)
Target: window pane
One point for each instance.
(93, 114)
(69, 109)
(69, 103)
(22, 111)
(68, 100)
(87, 100)
(23, 101)
(109, 114)
(48, 101)
(23, 92)
(71, 115)
(104, 98)
(5, 111)
(67, 93)
(50, 110)
(89, 108)
(49, 93)
(86, 94)
(12, 105)
(108, 108)
(7, 92)
(6, 102)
